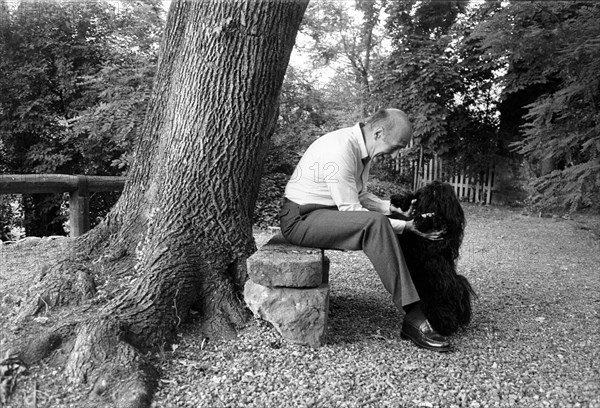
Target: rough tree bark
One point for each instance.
(180, 234)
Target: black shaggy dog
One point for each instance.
(445, 295)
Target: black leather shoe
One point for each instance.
(416, 327)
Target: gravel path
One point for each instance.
(533, 341)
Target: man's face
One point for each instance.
(389, 144)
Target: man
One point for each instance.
(326, 206)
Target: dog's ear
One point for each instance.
(402, 200)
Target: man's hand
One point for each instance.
(410, 213)
(432, 235)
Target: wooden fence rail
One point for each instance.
(78, 188)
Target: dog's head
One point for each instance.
(437, 198)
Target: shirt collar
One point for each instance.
(360, 140)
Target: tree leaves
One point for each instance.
(558, 44)
(75, 78)
(440, 77)
(500, 78)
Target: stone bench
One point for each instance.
(289, 287)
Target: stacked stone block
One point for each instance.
(289, 287)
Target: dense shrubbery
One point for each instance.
(552, 54)
(269, 201)
(75, 78)
(10, 219)
(305, 114)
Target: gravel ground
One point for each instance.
(533, 341)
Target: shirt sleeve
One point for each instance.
(342, 184)
(398, 225)
(338, 174)
(374, 203)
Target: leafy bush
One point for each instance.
(10, 218)
(553, 57)
(385, 188)
(270, 196)
(573, 188)
(75, 78)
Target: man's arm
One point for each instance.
(374, 203)
(342, 185)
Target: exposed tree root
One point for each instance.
(110, 306)
(106, 341)
(116, 371)
(89, 270)
(181, 231)
(61, 284)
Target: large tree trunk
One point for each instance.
(180, 234)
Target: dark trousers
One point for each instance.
(318, 226)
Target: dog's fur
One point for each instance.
(445, 295)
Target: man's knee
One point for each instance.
(379, 222)
(377, 218)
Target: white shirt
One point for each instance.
(334, 171)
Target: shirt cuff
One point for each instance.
(397, 225)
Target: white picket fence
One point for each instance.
(469, 186)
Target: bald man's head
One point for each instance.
(386, 132)
(391, 120)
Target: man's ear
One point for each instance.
(378, 133)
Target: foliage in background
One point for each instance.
(552, 51)
(348, 35)
(473, 138)
(74, 81)
(122, 87)
(505, 82)
(305, 113)
(419, 76)
(442, 80)
(342, 41)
